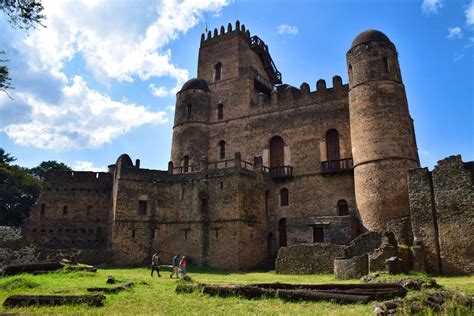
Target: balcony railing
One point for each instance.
(281, 172)
(336, 166)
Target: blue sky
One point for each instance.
(101, 79)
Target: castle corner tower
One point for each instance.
(382, 134)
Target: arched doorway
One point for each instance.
(277, 154)
(282, 231)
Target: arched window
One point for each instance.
(220, 111)
(277, 154)
(186, 163)
(284, 201)
(222, 149)
(386, 66)
(217, 72)
(282, 231)
(332, 145)
(350, 72)
(342, 208)
(188, 111)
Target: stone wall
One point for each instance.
(442, 214)
(308, 258)
(337, 229)
(14, 249)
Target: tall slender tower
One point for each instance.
(382, 135)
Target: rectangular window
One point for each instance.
(142, 207)
(89, 210)
(318, 234)
(133, 233)
(65, 209)
(43, 209)
(203, 205)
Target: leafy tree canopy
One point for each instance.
(45, 166)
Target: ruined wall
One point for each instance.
(308, 258)
(72, 211)
(14, 249)
(337, 229)
(442, 213)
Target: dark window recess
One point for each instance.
(217, 72)
(277, 158)
(153, 234)
(43, 209)
(332, 145)
(186, 233)
(204, 205)
(350, 72)
(386, 66)
(220, 111)
(222, 149)
(133, 233)
(186, 163)
(282, 231)
(65, 209)
(284, 201)
(342, 208)
(318, 234)
(222, 185)
(89, 210)
(217, 233)
(99, 230)
(189, 111)
(142, 207)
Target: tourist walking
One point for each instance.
(182, 267)
(155, 264)
(175, 266)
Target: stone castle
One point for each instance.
(257, 165)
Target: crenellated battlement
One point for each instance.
(78, 179)
(287, 96)
(224, 33)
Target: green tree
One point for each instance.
(18, 191)
(45, 166)
(22, 14)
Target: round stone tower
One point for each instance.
(191, 132)
(382, 134)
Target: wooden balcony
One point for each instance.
(282, 172)
(337, 166)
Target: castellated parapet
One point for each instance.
(256, 165)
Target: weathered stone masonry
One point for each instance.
(256, 165)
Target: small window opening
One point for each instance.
(186, 233)
(133, 233)
(186, 164)
(153, 234)
(99, 230)
(188, 111)
(142, 207)
(43, 209)
(318, 234)
(342, 208)
(350, 72)
(204, 205)
(222, 149)
(386, 65)
(65, 210)
(222, 185)
(217, 72)
(284, 201)
(89, 210)
(220, 111)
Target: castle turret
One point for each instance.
(382, 135)
(191, 129)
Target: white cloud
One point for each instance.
(80, 165)
(454, 32)
(82, 118)
(109, 46)
(164, 92)
(287, 29)
(470, 14)
(431, 6)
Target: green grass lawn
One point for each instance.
(157, 295)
